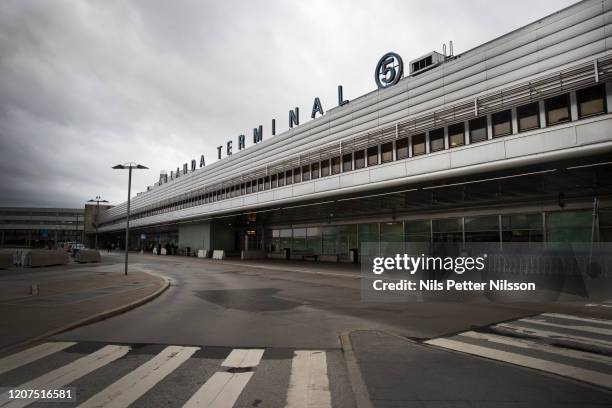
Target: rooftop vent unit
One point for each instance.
(163, 177)
(426, 62)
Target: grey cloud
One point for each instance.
(88, 84)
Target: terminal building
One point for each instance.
(24, 227)
(508, 142)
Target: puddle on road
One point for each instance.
(252, 300)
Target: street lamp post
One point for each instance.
(129, 166)
(97, 200)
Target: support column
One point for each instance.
(489, 127)
(609, 95)
(573, 106)
(542, 114)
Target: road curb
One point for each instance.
(360, 390)
(94, 318)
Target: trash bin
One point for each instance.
(287, 252)
(354, 255)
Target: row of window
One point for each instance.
(558, 226)
(590, 101)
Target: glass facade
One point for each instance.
(482, 229)
(557, 226)
(522, 228)
(569, 226)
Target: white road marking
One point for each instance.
(586, 329)
(581, 374)
(133, 385)
(32, 354)
(67, 374)
(308, 384)
(597, 304)
(554, 335)
(220, 391)
(243, 358)
(581, 319)
(532, 345)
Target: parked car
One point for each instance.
(76, 248)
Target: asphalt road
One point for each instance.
(215, 304)
(294, 320)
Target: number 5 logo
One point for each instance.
(389, 70)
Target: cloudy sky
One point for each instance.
(85, 85)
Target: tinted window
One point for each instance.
(359, 159)
(347, 162)
(528, 117)
(436, 140)
(386, 151)
(418, 144)
(335, 164)
(502, 123)
(325, 168)
(557, 109)
(401, 148)
(314, 170)
(372, 156)
(297, 177)
(591, 101)
(305, 173)
(478, 130)
(456, 135)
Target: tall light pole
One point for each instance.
(129, 166)
(97, 200)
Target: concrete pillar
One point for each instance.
(609, 95)
(542, 114)
(489, 127)
(514, 122)
(573, 106)
(446, 141)
(466, 132)
(410, 152)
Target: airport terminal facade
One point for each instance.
(508, 142)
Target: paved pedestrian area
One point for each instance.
(35, 302)
(461, 369)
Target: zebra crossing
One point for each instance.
(570, 346)
(116, 375)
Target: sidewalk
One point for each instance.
(400, 373)
(64, 299)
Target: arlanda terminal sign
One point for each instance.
(388, 72)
